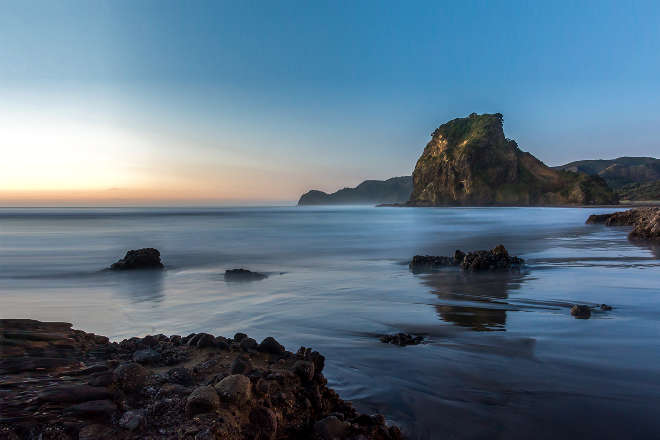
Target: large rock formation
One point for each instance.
(469, 162)
(633, 178)
(369, 192)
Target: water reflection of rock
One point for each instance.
(141, 286)
(473, 300)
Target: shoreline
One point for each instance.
(70, 384)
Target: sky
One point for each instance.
(167, 102)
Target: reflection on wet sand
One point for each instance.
(473, 300)
(140, 285)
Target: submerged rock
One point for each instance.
(402, 339)
(146, 258)
(645, 222)
(243, 275)
(581, 311)
(495, 259)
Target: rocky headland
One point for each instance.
(61, 383)
(497, 258)
(469, 162)
(372, 192)
(645, 222)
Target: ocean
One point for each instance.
(503, 356)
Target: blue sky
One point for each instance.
(216, 101)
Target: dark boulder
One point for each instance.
(270, 345)
(146, 258)
(581, 311)
(243, 275)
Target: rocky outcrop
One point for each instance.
(645, 222)
(469, 162)
(243, 275)
(369, 192)
(497, 258)
(146, 258)
(67, 384)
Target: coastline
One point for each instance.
(64, 383)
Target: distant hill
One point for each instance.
(369, 192)
(633, 178)
(469, 162)
(620, 171)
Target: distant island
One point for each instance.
(469, 161)
(632, 178)
(369, 192)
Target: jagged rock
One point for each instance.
(202, 400)
(265, 420)
(645, 222)
(305, 370)
(372, 192)
(130, 376)
(469, 162)
(402, 339)
(270, 345)
(146, 258)
(581, 311)
(497, 258)
(243, 275)
(235, 389)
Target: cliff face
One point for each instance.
(394, 190)
(469, 162)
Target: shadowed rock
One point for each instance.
(581, 311)
(402, 339)
(146, 258)
(645, 222)
(495, 259)
(243, 275)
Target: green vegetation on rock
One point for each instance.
(470, 162)
(394, 190)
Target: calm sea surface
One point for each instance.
(504, 360)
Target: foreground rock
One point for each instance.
(645, 222)
(469, 161)
(243, 275)
(497, 258)
(146, 258)
(61, 383)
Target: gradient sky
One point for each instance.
(132, 102)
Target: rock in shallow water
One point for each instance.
(645, 222)
(402, 339)
(581, 311)
(243, 275)
(497, 258)
(146, 258)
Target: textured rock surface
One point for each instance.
(495, 259)
(146, 258)
(469, 162)
(188, 392)
(645, 222)
(373, 192)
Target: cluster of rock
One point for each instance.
(67, 384)
(146, 258)
(645, 222)
(243, 275)
(497, 258)
(402, 339)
